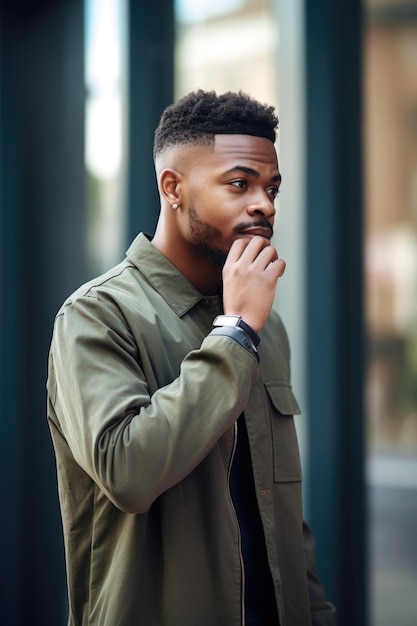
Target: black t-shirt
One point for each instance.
(260, 603)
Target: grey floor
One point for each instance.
(392, 533)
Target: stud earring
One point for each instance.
(175, 206)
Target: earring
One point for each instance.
(175, 206)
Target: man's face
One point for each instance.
(229, 192)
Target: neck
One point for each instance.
(202, 274)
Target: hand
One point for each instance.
(250, 277)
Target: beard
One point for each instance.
(204, 236)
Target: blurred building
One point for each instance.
(390, 270)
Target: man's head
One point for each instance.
(218, 176)
(200, 115)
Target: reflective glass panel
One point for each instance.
(390, 161)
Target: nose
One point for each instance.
(262, 205)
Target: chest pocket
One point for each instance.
(283, 405)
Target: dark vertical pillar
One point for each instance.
(151, 89)
(10, 338)
(43, 257)
(335, 316)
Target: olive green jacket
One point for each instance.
(142, 407)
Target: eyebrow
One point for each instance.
(248, 170)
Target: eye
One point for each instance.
(240, 183)
(273, 192)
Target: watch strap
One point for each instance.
(237, 321)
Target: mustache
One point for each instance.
(258, 223)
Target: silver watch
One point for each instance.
(236, 321)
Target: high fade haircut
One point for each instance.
(199, 116)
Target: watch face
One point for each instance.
(227, 320)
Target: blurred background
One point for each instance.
(82, 86)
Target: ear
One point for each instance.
(170, 186)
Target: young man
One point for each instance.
(170, 404)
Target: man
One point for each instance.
(178, 465)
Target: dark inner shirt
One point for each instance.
(260, 604)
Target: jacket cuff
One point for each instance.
(237, 334)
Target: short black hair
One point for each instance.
(200, 115)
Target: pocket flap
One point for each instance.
(283, 398)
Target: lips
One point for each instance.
(257, 230)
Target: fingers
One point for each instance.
(281, 267)
(248, 246)
(256, 251)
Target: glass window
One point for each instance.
(226, 45)
(390, 161)
(105, 145)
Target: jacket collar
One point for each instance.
(174, 288)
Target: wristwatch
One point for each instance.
(235, 328)
(236, 321)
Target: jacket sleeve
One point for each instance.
(135, 445)
(323, 613)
